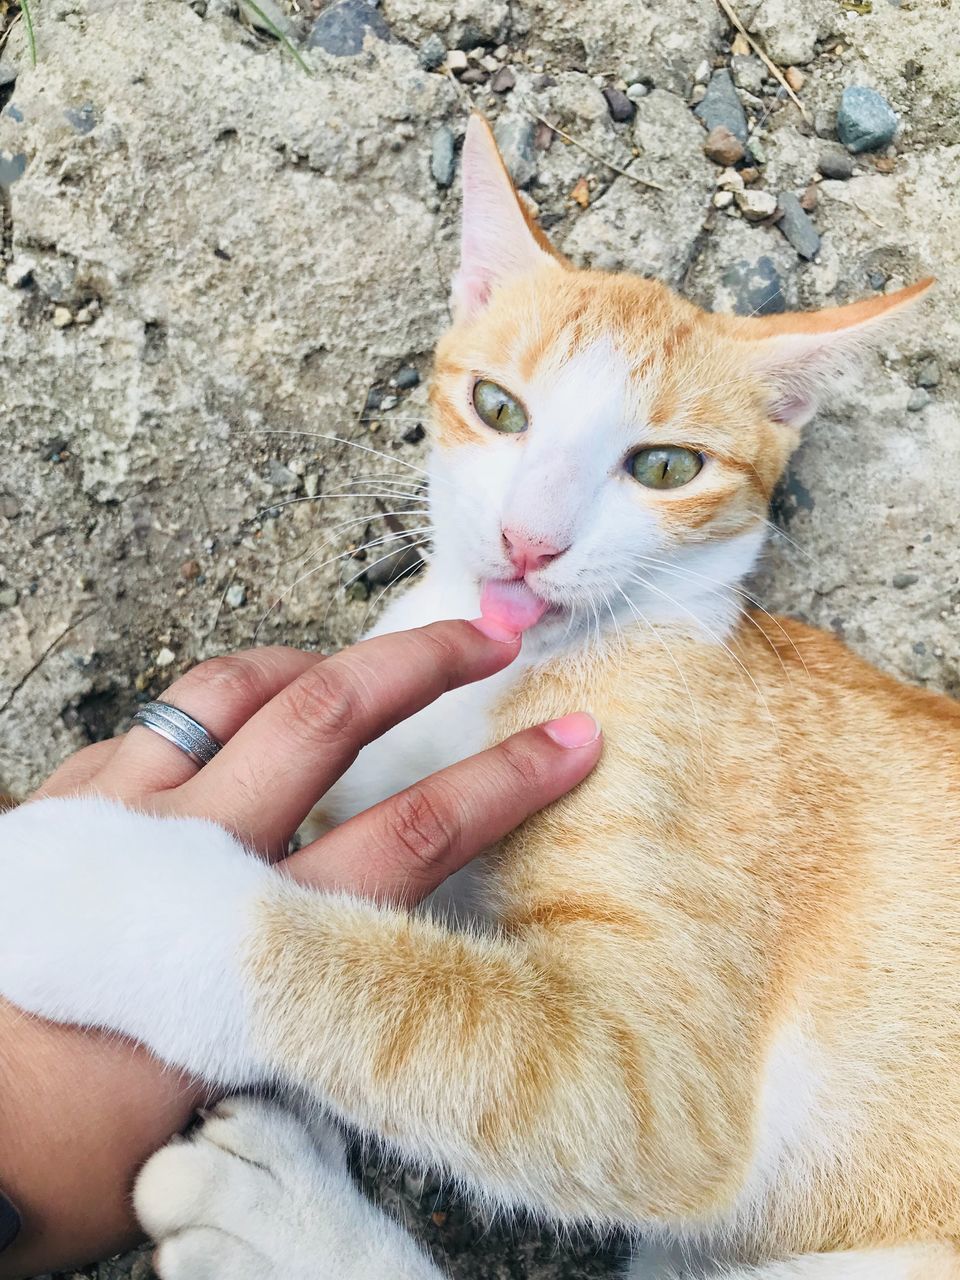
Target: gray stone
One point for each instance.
(8, 72)
(515, 137)
(621, 108)
(748, 72)
(919, 399)
(407, 377)
(835, 162)
(928, 375)
(825, 123)
(11, 168)
(442, 158)
(797, 227)
(235, 595)
(342, 29)
(865, 121)
(901, 580)
(432, 52)
(755, 205)
(757, 287)
(8, 597)
(788, 29)
(722, 106)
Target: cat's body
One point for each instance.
(717, 995)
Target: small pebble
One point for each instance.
(901, 580)
(432, 53)
(442, 157)
(723, 199)
(407, 377)
(637, 91)
(810, 198)
(581, 193)
(741, 46)
(456, 61)
(621, 107)
(8, 597)
(795, 78)
(885, 164)
(928, 375)
(865, 121)
(236, 595)
(503, 81)
(189, 570)
(919, 399)
(750, 174)
(311, 484)
(165, 658)
(722, 147)
(756, 205)
(474, 75)
(343, 28)
(702, 73)
(797, 227)
(748, 73)
(835, 162)
(9, 506)
(415, 434)
(62, 317)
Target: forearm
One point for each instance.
(79, 1113)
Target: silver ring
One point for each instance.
(180, 729)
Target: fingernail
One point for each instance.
(576, 730)
(494, 631)
(9, 1223)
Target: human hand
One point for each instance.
(293, 722)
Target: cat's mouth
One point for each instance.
(512, 603)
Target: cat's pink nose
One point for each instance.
(526, 553)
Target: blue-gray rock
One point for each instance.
(407, 377)
(11, 168)
(432, 52)
(442, 162)
(721, 105)
(928, 375)
(919, 399)
(866, 121)
(82, 118)
(8, 72)
(796, 226)
(757, 287)
(341, 29)
(515, 135)
(901, 580)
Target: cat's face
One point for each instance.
(605, 451)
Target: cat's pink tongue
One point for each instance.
(511, 604)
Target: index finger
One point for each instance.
(274, 770)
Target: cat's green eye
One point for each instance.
(664, 467)
(498, 409)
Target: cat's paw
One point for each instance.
(255, 1193)
(122, 920)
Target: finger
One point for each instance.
(279, 765)
(222, 694)
(79, 769)
(405, 846)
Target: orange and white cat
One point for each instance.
(713, 995)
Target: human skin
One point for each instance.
(80, 1112)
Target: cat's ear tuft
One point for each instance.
(498, 238)
(799, 353)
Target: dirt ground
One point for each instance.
(224, 261)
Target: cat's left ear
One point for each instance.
(499, 239)
(800, 353)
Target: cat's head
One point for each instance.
(601, 446)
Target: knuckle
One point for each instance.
(232, 677)
(325, 704)
(419, 826)
(523, 765)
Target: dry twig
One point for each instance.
(767, 61)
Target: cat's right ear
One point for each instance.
(499, 240)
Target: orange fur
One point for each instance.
(762, 876)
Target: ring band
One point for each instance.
(180, 729)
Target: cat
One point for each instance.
(712, 996)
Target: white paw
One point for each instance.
(116, 919)
(256, 1193)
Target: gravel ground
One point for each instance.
(213, 262)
